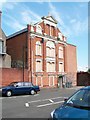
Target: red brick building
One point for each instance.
(44, 51)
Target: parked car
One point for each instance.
(76, 106)
(20, 88)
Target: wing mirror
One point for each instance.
(65, 100)
(16, 85)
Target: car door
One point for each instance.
(27, 87)
(19, 89)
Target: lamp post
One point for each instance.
(24, 50)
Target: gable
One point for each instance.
(50, 18)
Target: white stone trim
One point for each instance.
(39, 60)
(50, 23)
(50, 59)
(46, 38)
(53, 80)
(41, 82)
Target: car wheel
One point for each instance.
(9, 93)
(32, 92)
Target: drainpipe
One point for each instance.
(0, 19)
(23, 62)
(28, 47)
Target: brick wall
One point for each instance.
(71, 63)
(83, 79)
(15, 46)
(9, 75)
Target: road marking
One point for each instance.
(36, 94)
(25, 96)
(45, 99)
(11, 97)
(51, 100)
(49, 104)
(26, 104)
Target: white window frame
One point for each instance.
(38, 52)
(60, 52)
(38, 29)
(60, 36)
(50, 68)
(50, 47)
(38, 60)
(62, 69)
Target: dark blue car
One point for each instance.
(20, 88)
(77, 106)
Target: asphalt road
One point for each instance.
(34, 106)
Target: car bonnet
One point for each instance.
(71, 112)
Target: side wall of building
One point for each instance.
(71, 63)
(15, 47)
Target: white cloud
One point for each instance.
(26, 17)
(29, 16)
(80, 26)
(14, 23)
(56, 14)
(9, 5)
(74, 27)
(82, 68)
(2, 2)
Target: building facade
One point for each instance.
(5, 59)
(44, 51)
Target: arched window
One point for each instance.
(38, 48)
(60, 36)
(38, 29)
(50, 49)
(60, 52)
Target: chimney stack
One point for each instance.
(0, 18)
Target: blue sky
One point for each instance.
(72, 20)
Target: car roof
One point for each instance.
(23, 82)
(86, 88)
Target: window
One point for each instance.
(28, 84)
(50, 49)
(61, 67)
(38, 29)
(47, 29)
(60, 52)
(50, 66)
(38, 48)
(38, 65)
(1, 46)
(60, 36)
(20, 84)
(52, 30)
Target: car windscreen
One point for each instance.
(12, 84)
(80, 99)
